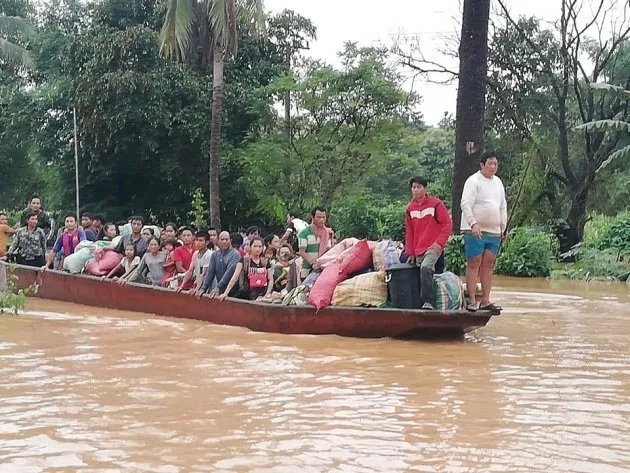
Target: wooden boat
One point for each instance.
(346, 321)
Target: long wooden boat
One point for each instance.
(346, 321)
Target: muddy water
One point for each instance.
(544, 388)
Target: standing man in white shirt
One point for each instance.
(484, 221)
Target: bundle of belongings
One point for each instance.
(363, 273)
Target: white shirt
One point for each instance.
(201, 262)
(483, 202)
(299, 225)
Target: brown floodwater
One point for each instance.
(545, 387)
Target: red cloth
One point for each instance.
(426, 222)
(184, 256)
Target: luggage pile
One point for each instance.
(362, 273)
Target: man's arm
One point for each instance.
(229, 271)
(446, 225)
(409, 236)
(14, 244)
(469, 195)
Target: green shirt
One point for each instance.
(309, 240)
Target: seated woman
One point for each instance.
(151, 268)
(284, 273)
(253, 273)
(111, 232)
(271, 255)
(126, 266)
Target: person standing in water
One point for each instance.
(484, 222)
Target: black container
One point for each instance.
(403, 282)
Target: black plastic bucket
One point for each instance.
(403, 282)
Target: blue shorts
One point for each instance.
(476, 246)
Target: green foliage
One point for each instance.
(604, 253)
(12, 299)
(527, 252)
(360, 217)
(199, 212)
(593, 264)
(455, 256)
(617, 236)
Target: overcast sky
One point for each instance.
(369, 23)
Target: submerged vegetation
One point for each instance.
(11, 299)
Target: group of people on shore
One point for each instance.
(247, 266)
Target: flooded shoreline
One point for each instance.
(544, 387)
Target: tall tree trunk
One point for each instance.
(215, 137)
(471, 98)
(287, 99)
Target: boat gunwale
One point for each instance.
(266, 305)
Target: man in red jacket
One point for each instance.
(428, 225)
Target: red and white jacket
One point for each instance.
(426, 222)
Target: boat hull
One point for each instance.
(345, 321)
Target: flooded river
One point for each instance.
(544, 388)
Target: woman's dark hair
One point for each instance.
(153, 238)
(173, 243)
(30, 214)
(236, 239)
(274, 253)
(151, 230)
(269, 239)
(110, 224)
(418, 180)
(172, 225)
(487, 155)
(253, 239)
(253, 229)
(135, 252)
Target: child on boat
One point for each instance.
(126, 265)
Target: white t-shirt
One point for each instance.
(299, 225)
(483, 202)
(129, 266)
(201, 262)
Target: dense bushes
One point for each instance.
(604, 252)
(362, 218)
(528, 253)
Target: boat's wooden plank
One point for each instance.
(346, 321)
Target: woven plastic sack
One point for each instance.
(322, 292)
(358, 258)
(365, 290)
(76, 261)
(385, 255)
(449, 292)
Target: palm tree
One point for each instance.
(12, 28)
(195, 31)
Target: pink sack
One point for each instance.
(358, 258)
(104, 263)
(322, 291)
(335, 252)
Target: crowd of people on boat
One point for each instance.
(246, 265)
